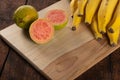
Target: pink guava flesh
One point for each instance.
(41, 31)
(58, 18)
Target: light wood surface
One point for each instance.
(74, 63)
(67, 56)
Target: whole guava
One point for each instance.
(25, 15)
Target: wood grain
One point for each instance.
(101, 71)
(100, 74)
(115, 65)
(66, 66)
(3, 52)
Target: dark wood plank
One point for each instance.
(107, 69)
(7, 8)
(40, 4)
(16, 68)
(115, 64)
(6, 12)
(3, 54)
(100, 71)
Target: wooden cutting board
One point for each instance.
(67, 56)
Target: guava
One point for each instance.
(24, 16)
(41, 31)
(58, 18)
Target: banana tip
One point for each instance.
(99, 39)
(86, 23)
(113, 44)
(110, 30)
(102, 32)
(73, 28)
(80, 15)
(72, 16)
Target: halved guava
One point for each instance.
(58, 17)
(41, 31)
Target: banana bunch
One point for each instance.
(103, 16)
(77, 9)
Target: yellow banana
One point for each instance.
(91, 8)
(73, 5)
(115, 22)
(94, 28)
(113, 37)
(81, 6)
(76, 20)
(105, 12)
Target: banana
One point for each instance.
(73, 5)
(91, 8)
(76, 20)
(81, 6)
(94, 28)
(113, 37)
(115, 24)
(105, 14)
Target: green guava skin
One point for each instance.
(60, 26)
(56, 13)
(24, 16)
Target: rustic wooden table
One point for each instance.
(14, 67)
